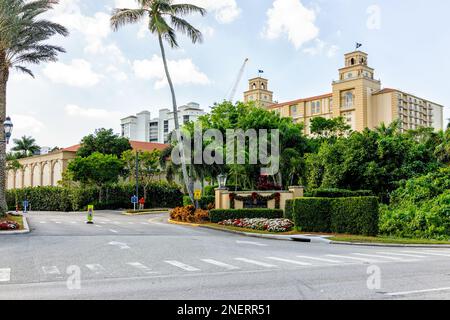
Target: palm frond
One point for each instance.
(122, 17)
(24, 70)
(186, 28)
(186, 9)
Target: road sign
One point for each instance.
(25, 206)
(90, 215)
(134, 199)
(197, 194)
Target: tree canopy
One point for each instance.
(103, 141)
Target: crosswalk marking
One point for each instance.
(429, 253)
(290, 261)
(5, 274)
(51, 270)
(96, 268)
(113, 231)
(220, 264)
(140, 266)
(258, 263)
(402, 254)
(351, 258)
(320, 259)
(379, 256)
(182, 265)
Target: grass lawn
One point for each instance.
(17, 219)
(384, 239)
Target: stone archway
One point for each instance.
(19, 179)
(37, 176)
(11, 182)
(27, 177)
(57, 173)
(46, 175)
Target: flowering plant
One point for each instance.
(9, 225)
(272, 225)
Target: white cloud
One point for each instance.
(91, 113)
(126, 4)
(77, 74)
(320, 48)
(26, 124)
(292, 18)
(182, 71)
(225, 11)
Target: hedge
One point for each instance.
(356, 215)
(226, 214)
(204, 202)
(289, 209)
(159, 195)
(338, 193)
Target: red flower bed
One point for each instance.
(9, 225)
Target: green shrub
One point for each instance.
(159, 195)
(204, 202)
(226, 214)
(312, 214)
(339, 193)
(289, 209)
(357, 215)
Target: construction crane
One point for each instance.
(238, 80)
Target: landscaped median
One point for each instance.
(144, 212)
(12, 224)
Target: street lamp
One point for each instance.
(8, 127)
(222, 179)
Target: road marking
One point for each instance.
(130, 222)
(96, 268)
(258, 263)
(98, 226)
(320, 259)
(220, 264)
(182, 265)
(114, 231)
(404, 293)
(380, 256)
(42, 222)
(5, 275)
(74, 222)
(102, 222)
(58, 222)
(402, 254)
(51, 270)
(290, 261)
(253, 243)
(144, 223)
(141, 267)
(352, 258)
(115, 222)
(429, 253)
(121, 245)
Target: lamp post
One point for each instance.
(8, 127)
(222, 180)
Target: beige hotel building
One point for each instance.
(357, 97)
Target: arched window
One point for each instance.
(352, 61)
(254, 86)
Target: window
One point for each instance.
(166, 126)
(254, 86)
(263, 86)
(294, 111)
(347, 99)
(185, 119)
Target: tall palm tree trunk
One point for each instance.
(4, 74)
(186, 178)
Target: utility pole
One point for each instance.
(137, 174)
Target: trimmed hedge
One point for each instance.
(289, 209)
(159, 195)
(356, 215)
(227, 214)
(338, 193)
(204, 202)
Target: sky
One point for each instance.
(299, 44)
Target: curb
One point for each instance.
(26, 229)
(195, 225)
(392, 245)
(142, 213)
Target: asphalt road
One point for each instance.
(143, 257)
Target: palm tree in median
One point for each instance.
(165, 19)
(22, 42)
(25, 146)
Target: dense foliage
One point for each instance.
(105, 142)
(358, 215)
(160, 195)
(420, 208)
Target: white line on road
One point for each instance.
(42, 222)
(121, 245)
(258, 263)
(141, 267)
(98, 226)
(5, 274)
(220, 264)
(380, 256)
(144, 223)
(251, 242)
(113, 231)
(182, 265)
(417, 291)
(352, 258)
(96, 268)
(402, 254)
(51, 270)
(320, 259)
(290, 261)
(429, 253)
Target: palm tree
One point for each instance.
(165, 19)
(22, 42)
(25, 146)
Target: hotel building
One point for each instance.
(357, 97)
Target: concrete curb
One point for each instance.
(26, 229)
(143, 213)
(195, 225)
(392, 245)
